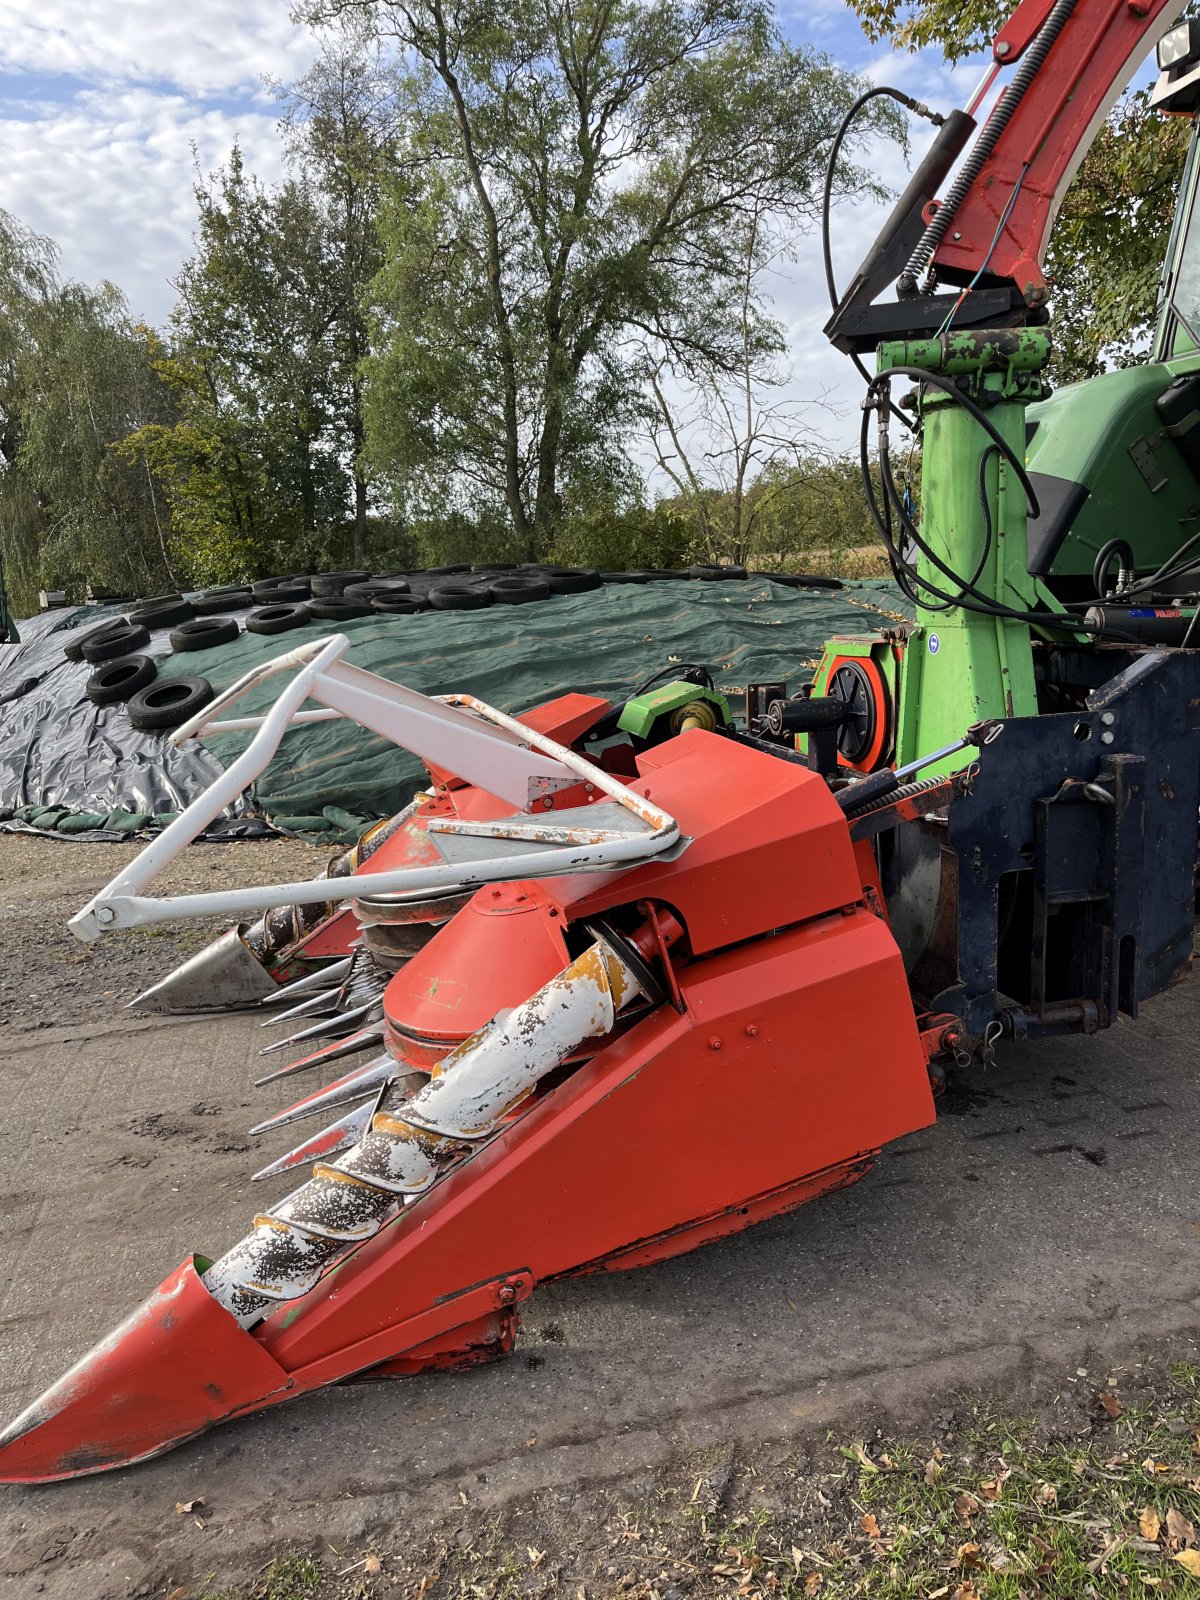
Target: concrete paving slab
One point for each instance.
(1055, 1206)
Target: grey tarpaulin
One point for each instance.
(59, 750)
(56, 749)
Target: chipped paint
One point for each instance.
(414, 1137)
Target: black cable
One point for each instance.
(677, 670)
(835, 151)
(1114, 547)
(1171, 568)
(910, 580)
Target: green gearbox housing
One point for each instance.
(668, 709)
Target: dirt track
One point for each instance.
(1051, 1215)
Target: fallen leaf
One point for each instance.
(177, 1594)
(965, 1507)
(372, 1565)
(968, 1555)
(966, 1591)
(1111, 1404)
(1149, 1522)
(994, 1488)
(1180, 1529)
(1189, 1560)
(1150, 1465)
(426, 1583)
(813, 1582)
(182, 1507)
(933, 1472)
(861, 1456)
(869, 1526)
(535, 1556)
(797, 1558)
(936, 1594)
(1048, 1494)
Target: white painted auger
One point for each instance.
(413, 1138)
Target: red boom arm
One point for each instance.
(1034, 158)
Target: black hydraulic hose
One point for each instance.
(1125, 571)
(968, 597)
(982, 149)
(835, 150)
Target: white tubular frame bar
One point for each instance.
(464, 735)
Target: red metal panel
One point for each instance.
(172, 1369)
(500, 948)
(799, 1054)
(1088, 65)
(769, 845)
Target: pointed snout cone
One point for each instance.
(179, 1364)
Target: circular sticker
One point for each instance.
(935, 644)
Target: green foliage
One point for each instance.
(1111, 235)
(637, 536)
(1106, 253)
(570, 203)
(75, 375)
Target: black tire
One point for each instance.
(278, 619)
(118, 680)
(452, 571)
(204, 632)
(285, 594)
(377, 589)
(73, 649)
(120, 640)
(396, 605)
(459, 597)
(286, 590)
(487, 568)
(169, 702)
(573, 580)
(216, 602)
(712, 572)
(327, 585)
(519, 591)
(168, 615)
(338, 609)
(626, 577)
(157, 600)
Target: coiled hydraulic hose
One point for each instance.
(985, 144)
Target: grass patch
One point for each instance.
(289, 1577)
(1001, 1511)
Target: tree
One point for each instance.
(75, 377)
(256, 462)
(718, 434)
(340, 125)
(569, 194)
(1111, 236)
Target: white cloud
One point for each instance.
(204, 47)
(105, 102)
(109, 177)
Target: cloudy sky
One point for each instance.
(101, 105)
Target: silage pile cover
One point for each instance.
(56, 749)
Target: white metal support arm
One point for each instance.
(465, 736)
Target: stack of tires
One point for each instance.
(125, 674)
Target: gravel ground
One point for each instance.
(48, 979)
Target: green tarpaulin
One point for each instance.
(603, 642)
